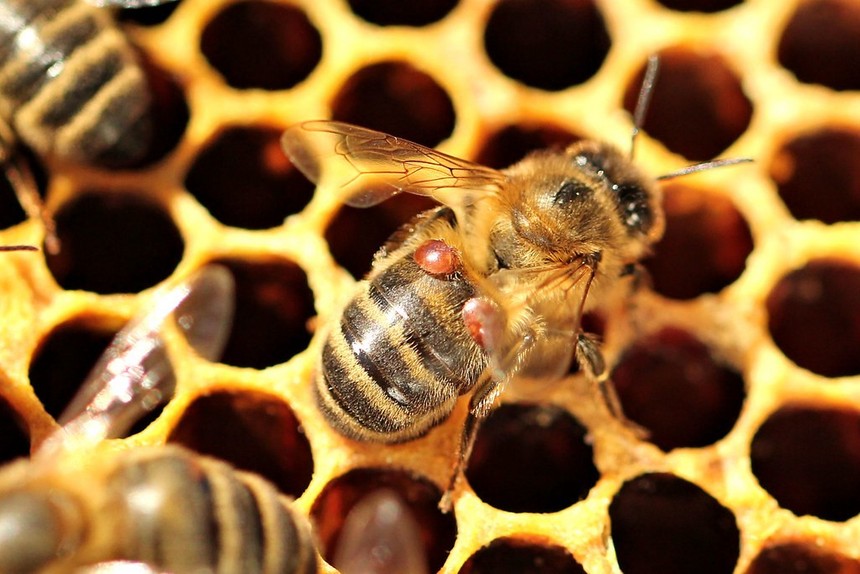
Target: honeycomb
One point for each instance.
(739, 355)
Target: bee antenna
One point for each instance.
(705, 165)
(644, 99)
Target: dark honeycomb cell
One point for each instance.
(399, 13)
(273, 307)
(705, 246)
(671, 385)
(819, 43)
(814, 317)
(262, 45)
(531, 458)
(15, 443)
(114, 243)
(252, 431)
(547, 44)
(707, 6)
(438, 530)
(354, 235)
(662, 524)
(64, 359)
(517, 556)
(512, 143)
(801, 557)
(396, 98)
(245, 180)
(808, 459)
(818, 175)
(170, 112)
(698, 107)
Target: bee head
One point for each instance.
(587, 199)
(633, 195)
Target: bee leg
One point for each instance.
(639, 276)
(23, 183)
(591, 362)
(486, 324)
(479, 407)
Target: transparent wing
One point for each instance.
(128, 3)
(373, 166)
(134, 374)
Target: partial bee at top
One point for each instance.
(71, 86)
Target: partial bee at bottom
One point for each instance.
(78, 506)
(163, 506)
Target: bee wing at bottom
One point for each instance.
(134, 374)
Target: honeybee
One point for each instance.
(491, 285)
(147, 509)
(71, 88)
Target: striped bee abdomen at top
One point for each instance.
(188, 513)
(400, 356)
(70, 85)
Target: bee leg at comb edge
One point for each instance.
(23, 183)
(467, 441)
(591, 362)
(487, 390)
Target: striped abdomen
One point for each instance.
(207, 517)
(400, 356)
(70, 85)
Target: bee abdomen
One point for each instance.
(399, 357)
(186, 514)
(71, 86)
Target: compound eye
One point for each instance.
(569, 192)
(633, 203)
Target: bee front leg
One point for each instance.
(23, 183)
(591, 362)
(487, 325)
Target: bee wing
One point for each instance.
(372, 166)
(134, 374)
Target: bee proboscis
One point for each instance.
(146, 509)
(491, 285)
